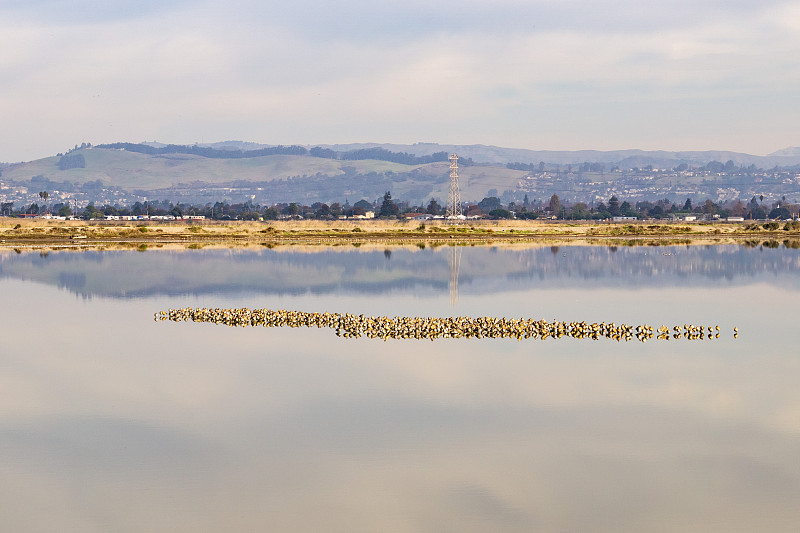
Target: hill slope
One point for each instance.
(113, 175)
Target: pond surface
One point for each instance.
(110, 421)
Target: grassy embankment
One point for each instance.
(18, 232)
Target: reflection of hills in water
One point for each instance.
(482, 269)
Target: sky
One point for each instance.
(535, 74)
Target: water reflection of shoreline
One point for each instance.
(478, 270)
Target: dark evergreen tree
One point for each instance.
(388, 207)
(613, 206)
(363, 205)
(555, 205)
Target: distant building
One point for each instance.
(735, 219)
(623, 219)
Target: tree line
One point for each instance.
(386, 207)
(379, 154)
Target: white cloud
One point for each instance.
(454, 72)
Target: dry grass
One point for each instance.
(36, 231)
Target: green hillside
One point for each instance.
(270, 178)
(131, 170)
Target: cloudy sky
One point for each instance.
(538, 74)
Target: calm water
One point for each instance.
(112, 422)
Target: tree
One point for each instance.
(322, 210)
(91, 212)
(500, 213)
(613, 206)
(555, 205)
(687, 206)
(388, 207)
(489, 203)
(781, 213)
(626, 210)
(579, 211)
(363, 205)
(433, 207)
(738, 209)
(43, 195)
(758, 213)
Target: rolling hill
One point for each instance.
(236, 171)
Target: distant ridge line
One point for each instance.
(498, 155)
(230, 152)
(487, 154)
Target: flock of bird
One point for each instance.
(353, 326)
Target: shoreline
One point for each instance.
(28, 233)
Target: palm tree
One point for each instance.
(43, 195)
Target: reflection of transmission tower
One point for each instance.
(454, 260)
(453, 214)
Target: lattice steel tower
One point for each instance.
(453, 213)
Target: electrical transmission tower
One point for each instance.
(453, 214)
